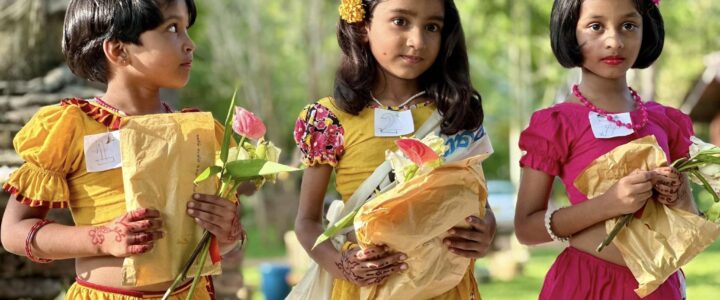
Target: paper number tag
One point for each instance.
(393, 123)
(102, 152)
(604, 129)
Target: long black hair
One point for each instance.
(447, 80)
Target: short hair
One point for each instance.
(563, 22)
(89, 23)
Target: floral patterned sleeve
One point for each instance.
(319, 136)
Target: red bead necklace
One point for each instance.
(638, 105)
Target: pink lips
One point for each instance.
(613, 60)
(187, 64)
(411, 59)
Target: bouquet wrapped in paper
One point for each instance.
(662, 239)
(413, 214)
(413, 217)
(233, 166)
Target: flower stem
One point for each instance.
(183, 274)
(239, 146)
(706, 184)
(203, 256)
(622, 222)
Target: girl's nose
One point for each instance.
(613, 41)
(416, 38)
(189, 45)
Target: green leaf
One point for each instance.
(709, 158)
(334, 229)
(250, 168)
(713, 213)
(209, 172)
(228, 129)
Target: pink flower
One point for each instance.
(656, 2)
(247, 124)
(416, 151)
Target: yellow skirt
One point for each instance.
(89, 291)
(466, 290)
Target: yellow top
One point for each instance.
(54, 173)
(327, 135)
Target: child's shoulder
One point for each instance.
(562, 113)
(669, 118)
(321, 109)
(69, 110)
(654, 107)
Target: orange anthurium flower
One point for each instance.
(416, 151)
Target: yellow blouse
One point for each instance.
(327, 135)
(54, 174)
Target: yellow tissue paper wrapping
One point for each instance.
(413, 218)
(161, 156)
(663, 239)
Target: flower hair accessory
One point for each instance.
(656, 2)
(352, 11)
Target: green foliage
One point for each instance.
(249, 169)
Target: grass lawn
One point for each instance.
(703, 277)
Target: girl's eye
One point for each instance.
(173, 28)
(595, 27)
(629, 26)
(432, 28)
(399, 22)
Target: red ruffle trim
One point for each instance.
(32, 202)
(105, 116)
(96, 112)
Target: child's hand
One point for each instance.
(630, 193)
(247, 188)
(667, 182)
(371, 266)
(473, 242)
(133, 233)
(217, 215)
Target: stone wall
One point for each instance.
(30, 31)
(19, 100)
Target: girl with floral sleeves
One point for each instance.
(406, 56)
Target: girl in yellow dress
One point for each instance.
(404, 56)
(136, 47)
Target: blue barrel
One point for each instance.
(274, 283)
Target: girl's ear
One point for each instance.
(364, 33)
(116, 53)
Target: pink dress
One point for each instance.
(560, 142)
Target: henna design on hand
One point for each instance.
(346, 265)
(98, 235)
(236, 229)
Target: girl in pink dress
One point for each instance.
(605, 38)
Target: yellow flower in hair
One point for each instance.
(351, 11)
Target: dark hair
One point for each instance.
(566, 14)
(447, 80)
(89, 23)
